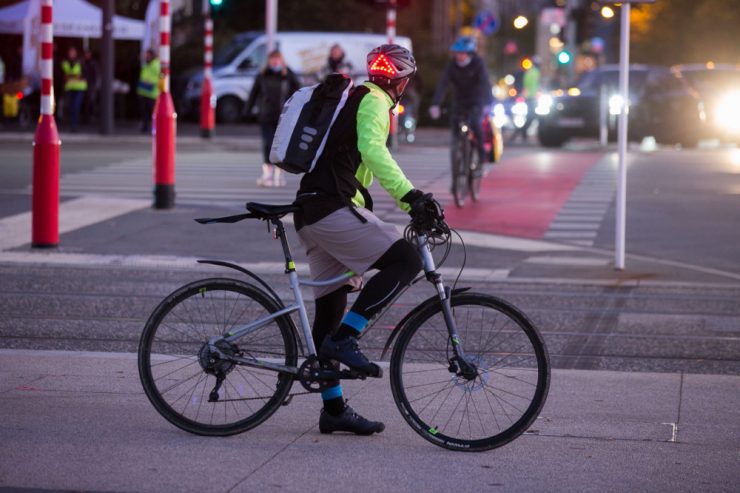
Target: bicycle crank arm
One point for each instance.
(255, 363)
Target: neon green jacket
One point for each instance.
(373, 125)
(148, 85)
(531, 82)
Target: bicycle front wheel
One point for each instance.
(179, 373)
(479, 412)
(459, 155)
(475, 175)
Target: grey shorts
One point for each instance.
(341, 242)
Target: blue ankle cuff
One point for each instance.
(355, 320)
(331, 393)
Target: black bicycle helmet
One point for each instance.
(389, 64)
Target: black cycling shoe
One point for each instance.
(349, 421)
(347, 351)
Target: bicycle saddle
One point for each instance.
(268, 211)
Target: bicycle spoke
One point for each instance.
(181, 383)
(499, 398)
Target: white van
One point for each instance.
(236, 65)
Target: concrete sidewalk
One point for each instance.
(80, 421)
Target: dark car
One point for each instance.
(661, 104)
(719, 87)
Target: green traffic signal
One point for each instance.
(563, 57)
(216, 3)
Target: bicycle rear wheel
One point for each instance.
(178, 372)
(470, 414)
(459, 158)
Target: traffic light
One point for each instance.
(216, 3)
(564, 57)
(526, 63)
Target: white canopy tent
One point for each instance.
(72, 18)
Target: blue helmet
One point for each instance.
(464, 44)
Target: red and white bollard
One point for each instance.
(164, 120)
(46, 146)
(207, 100)
(390, 28)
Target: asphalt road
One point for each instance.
(646, 361)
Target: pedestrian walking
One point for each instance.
(91, 72)
(530, 90)
(75, 87)
(148, 89)
(335, 63)
(273, 86)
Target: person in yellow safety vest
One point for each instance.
(530, 91)
(75, 86)
(148, 88)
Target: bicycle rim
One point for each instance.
(176, 371)
(477, 414)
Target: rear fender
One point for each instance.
(266, 287)
(411, 315)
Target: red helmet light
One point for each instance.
(382, 66)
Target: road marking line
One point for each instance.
(559, 225)
(570, 234)
(73, 214)
(574, 261)
(191, 263)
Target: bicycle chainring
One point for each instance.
(308, 374)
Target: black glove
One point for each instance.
(425, 210)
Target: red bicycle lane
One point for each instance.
(521, 196)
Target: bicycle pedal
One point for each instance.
(376, 372)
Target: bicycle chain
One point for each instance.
(262, 398)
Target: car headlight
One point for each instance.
(728, 112)
(544, 105)
(499, 115)
(616, 102)
(519, 108)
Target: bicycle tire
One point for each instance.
(475, 175)
(420, 360)
(458, 160)
(171, 354)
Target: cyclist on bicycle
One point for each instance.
(471, 89)
(339, 231)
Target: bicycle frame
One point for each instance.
(299, 306)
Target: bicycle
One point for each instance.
(218, 356)
(467, 170)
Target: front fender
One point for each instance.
(410, 315)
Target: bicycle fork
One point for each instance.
(459, 363)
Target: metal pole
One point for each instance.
(624, 60)
(46, 146)
(458, 17)
(271, 7)
(390, 28)
(603, 116)
(107, 63)
(570, 36)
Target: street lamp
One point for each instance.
(520, 22)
